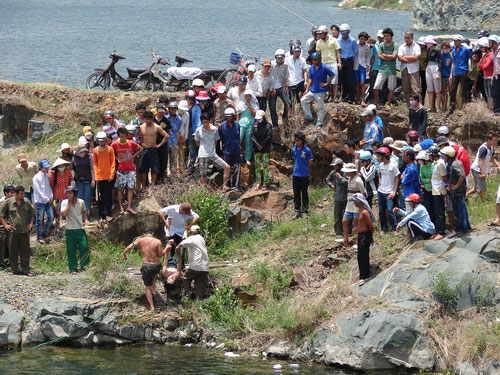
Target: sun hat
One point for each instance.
(388, 141)
(349, 167)
(429, 39)
(221, 89)
(251, 68)
(183, 105)
(59, 162)
(398, 145)
(87, 130)
(80, 147)
(366, 112)
(260, 115)
(101, 136)
(44, 163)
(22, 157)
(421, 40)
(64, 146)
(203, 95)
(371, 107)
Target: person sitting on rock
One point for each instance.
(151, 252)
(416, 218)
(197, 266)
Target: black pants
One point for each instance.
(423, 86)
(263, 101)
(294, 92)
(416, 230)
(105, 189)
(456, 80)
(20, 252)
(171, 261)
(300, 195)
(365, 239)
(200, 282)
(439, 213)
(428, 203)
(338, 214)
(495, 92)
(163, 159)
(347, 79)
(373, 78)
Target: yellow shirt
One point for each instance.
(27, 176)
(328, 49)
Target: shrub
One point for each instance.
(443, 292)
(273, 277)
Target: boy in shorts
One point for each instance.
(206, 137)
(387, 52)
(125, 151)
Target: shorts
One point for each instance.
(445, 84)
(149, 270)
(205, 162)
(335, 69)
(479, 183)
(433, 84)
(125, 180)
(361, 75)
(498, 194)
(149, 161)
(232, 159)
(350, 215)
(381, 78)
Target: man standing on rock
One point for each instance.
(26, 170)
(43, 197)
(9, 191)
(17, 215)
(75, 213)
(151, 252)
(409, 55)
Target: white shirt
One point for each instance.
(296, 69)
(388, 173)
(364, 57)
(405, 50)
(197, 253)
(486, 153)
(74, 219)
(255, 85)
(207, 139)
(178, 220)
(42, 192)
(236, 96)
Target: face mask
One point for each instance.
(180, 112)
(61, 169)
(412, 102)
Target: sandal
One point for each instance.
(109, 219)
(133, 212)
(493, 224)
(122, 212)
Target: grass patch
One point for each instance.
(480, 211)
(275, 278)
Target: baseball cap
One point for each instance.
(367, 112)
(266, 62)
(260, 115)
(221, 89)
(251, 68)
(380, 33)
(22, 157)
(458, 37)
(44, 163)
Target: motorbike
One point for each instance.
(176, 78)
(242, 61)
(105, 78)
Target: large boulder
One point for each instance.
(11, 326)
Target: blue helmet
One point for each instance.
(315, 55)
(365, 155)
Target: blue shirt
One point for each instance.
(176, 125)
(420, 215)
(348, 48)
(195, 118)
(461, 60)
(319, 75)
(376, 60)
(230, 138)
(380, 125)
(370, 135)
(446, 65)
(301, 157)
(410, 180)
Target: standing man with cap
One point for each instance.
(267, 83)
(173, 142)
(354, 185)
(329, 49)
(279, 72)
(104, 171)
(262, 135)
(297, 73)
(336, 180)
(387, 53)
(9, 191)
(66, 153)
(461, 56)
(43, 197)
(111, 125)
(253, 83)
(17, 215)
(409, 55)
(26, 170)
(75, 213)
(236, 94)
(229, 134)
(162, 121)
(319, 77)
(183, 134)
(348, 53)
(221, 104)
(375, 60)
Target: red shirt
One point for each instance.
(124, 153)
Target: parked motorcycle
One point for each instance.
(176, 78)
(105, 78)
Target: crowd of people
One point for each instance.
(419, 181)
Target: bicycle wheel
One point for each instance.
(228, 77)
(96, 81)
(142, 84)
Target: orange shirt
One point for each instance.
(104, 163)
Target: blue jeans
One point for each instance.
(42, 208)
(386, 204)
(461, 217)
(28, 194)
(272, 106)
(85, 192)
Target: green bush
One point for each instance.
(213, 223)
(274, 278)
(443, 292)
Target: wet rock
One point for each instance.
(11, 326)
(280, 349)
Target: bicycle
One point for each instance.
(230, 76)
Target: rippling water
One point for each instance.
(63, 40)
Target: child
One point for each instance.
(446, 61)
(205, 137)
(354, 185)
(104, 170)
(337, 180)
(302, 156)
(125, 151)
(369, 175)
(262, 134)
(364, 231)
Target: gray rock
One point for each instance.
(493, 368)
(466, 368)
(280, 349)
(171, 324)
(11, 326)
(40, 129)
(242, 219)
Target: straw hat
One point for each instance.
(59, 162)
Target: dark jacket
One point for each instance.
(418, 121)
(262, 135)
(340, 184)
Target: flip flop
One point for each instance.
(492, 224)
(109, 219)
(122, 212)
(133, 212)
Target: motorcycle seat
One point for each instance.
(212, 71)
(184, 72)
(136, 70)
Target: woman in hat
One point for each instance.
(60, 176)
(262, 134)
(83, 167)
(246, 114)
(433, 72)
(354, 185)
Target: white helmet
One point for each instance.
(422, 155)
(130, 128)
(322, 29)
(229, 112)
(371, 107)
(183, 105)
(443, 130)
(279, 53)
(483, 42)
(344, 28)
(417, 148)
(101, 136)
(198, 82)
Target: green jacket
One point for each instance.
(17, 215)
